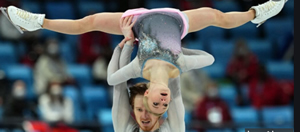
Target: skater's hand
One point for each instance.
(126, 27)
(125, 40)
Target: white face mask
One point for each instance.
(212, 92)
(53, 49)
(56, 90)
(19, 92)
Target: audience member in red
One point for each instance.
(264, 90)
(212, 109)
(287, 91)
(93, 45)
(242, 67)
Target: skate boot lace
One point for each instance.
(24, 14)
(267, 6)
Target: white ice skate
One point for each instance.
(23, 20)
(267, 10)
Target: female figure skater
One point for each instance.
(144, 121)
(159, 32)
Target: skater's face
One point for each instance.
(157, 98)
(145, 120)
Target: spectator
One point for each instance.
(212, 109)
(55, 108)
(16, 105)
(92, 45)
(242, 67)
(264, 90)
(50, 67)
(95, 49)
(192, 88)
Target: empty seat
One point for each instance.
(90, 7)
(105, 120)
(245, 116)
(59, 10)
(20, 72)
(281, 69)
(67, 52)
(216, 70)
(228, 94)
(278, 27)
(278, 116)
(194, 45)
(81, 73)
(150, 4)
(247, 30)
(95, 98)
(226, 5)
(7, 54)
(222, 50)
(219, 130)
(211, 33)
(31, 6)
(261, 48)
(73, 93)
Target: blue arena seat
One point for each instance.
(1, 112)
(20, 72)
(95, 98)
(81, 73)
(246, 31)
(187, 117)
(245, 116)
(216, 70)
(288, 9)
(67, 52)
(228, 94)
(222, 50)
(90, 7)
(280, 69)
(219, 130)
(150, 4)
(73, 93)
(226, 5)
(278, 27)
(45, 33)
(31, 6)
(105, 120)
(211, 33)
(59, 10)
(261, 48)
(277, 117)
(7, 54)
(196, 44)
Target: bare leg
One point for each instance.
(204, 17)
(105, 22)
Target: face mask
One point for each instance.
(212, 93)
(19, 92)
(56, 90)
(52, 49)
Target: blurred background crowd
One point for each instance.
(52, 81)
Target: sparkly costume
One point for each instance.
(159, 32)
(122, 120)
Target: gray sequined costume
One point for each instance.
(159, 35)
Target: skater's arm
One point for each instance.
(194, 59)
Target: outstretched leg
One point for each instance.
(105, 22)
(204, 17)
